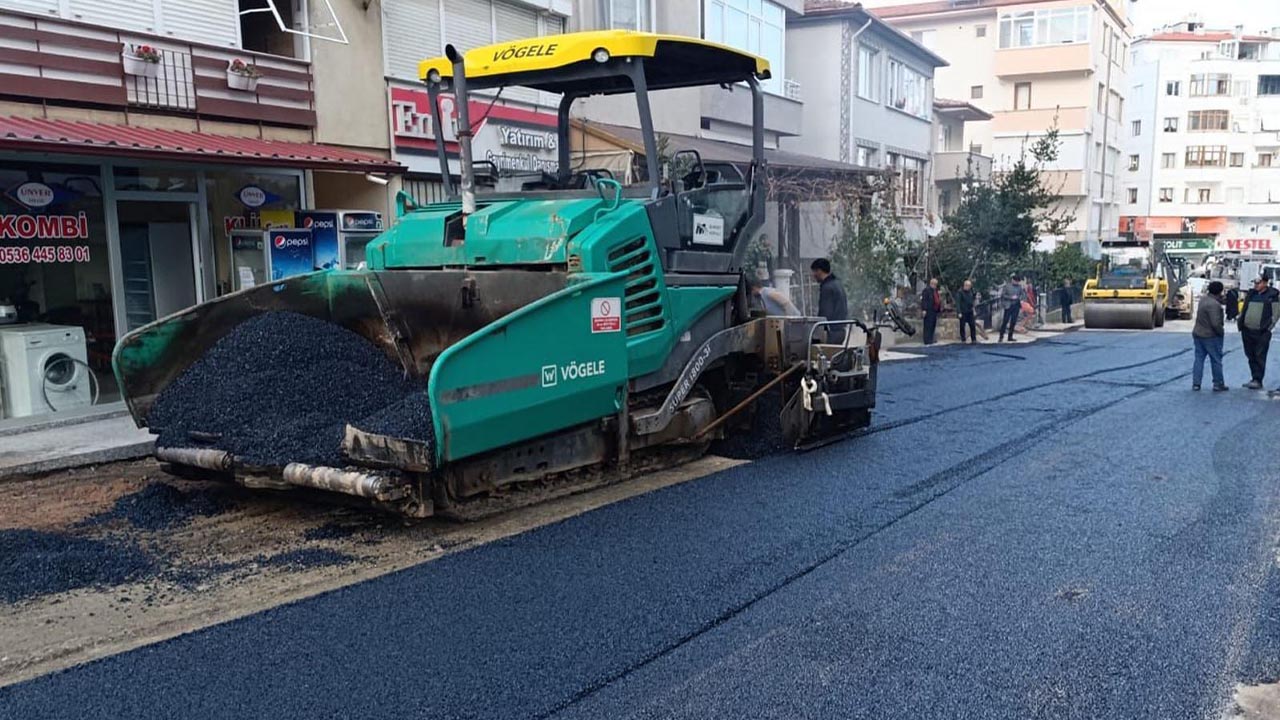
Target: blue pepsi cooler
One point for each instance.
(262, 256)
(340, 235)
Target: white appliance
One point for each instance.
(45, 369)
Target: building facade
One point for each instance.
(1202, 140)
(880, 86)
(1034, 64)
(136, 136)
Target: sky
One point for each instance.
(1225, 14)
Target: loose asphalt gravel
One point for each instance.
(35, 563)
(281, 387)
(1063, 531)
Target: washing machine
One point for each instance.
(45, 369)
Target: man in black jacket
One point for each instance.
(1257, 318)
(832, 303)
(1066, 296)
(931, 306)
(966, 301)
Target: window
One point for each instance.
(1204, 195)
(1022, 96)
(975, 92)
(975, 148)
(1102, 97)
(1208, 120)
(1215, 85)
(910, 175)
(1173, 87)
(1266, 159)
(1169, 160)
(924, 37)
(1206, 156)
(908, 90)
(1045, 27)
(980, 31)
(868, 73)
(867, 156)
(1237, 159)
(630, 15)
(1137, 128)
(1166, 195)
(1133, 163)
(757, 26)
(1269, 85)
(1133, 196)
(1171, 125)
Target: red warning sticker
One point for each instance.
(606, 315)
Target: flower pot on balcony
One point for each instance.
(138, 67)
(237, 81)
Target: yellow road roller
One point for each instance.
(1130, 293)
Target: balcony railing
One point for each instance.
(955, 165)
(61, 61)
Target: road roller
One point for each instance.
(1129, 290)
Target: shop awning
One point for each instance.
(88, 138)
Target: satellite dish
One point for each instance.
(932, 225)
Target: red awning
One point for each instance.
(88, 138)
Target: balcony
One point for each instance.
(60, 61)
(1021, 122)
(781, 114)
(952, 167)
(1014, 62)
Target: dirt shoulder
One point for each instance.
(95, 561)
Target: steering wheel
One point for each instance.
(700, 174)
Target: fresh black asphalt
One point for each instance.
(1068, 534)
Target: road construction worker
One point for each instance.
(1257, 318)
(1012, 296)
(1207, 337)
(774, 302)
(966, 301)
(832, 303)
(931, 306)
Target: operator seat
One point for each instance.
(723, 191)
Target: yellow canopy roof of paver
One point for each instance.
(542, 62)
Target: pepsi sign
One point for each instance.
(291, 253)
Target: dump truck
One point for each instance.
(1129, 291)
(572, 331)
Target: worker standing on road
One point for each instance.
(1012, 295)
(1207, 336)
(966, 301)
(1066, 296)
(1233, 303)
(832, 303)
(1257, 318)
(931, 306)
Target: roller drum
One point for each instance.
(1121, 315)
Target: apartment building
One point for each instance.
(136, 135)
(878, 90)
(1202, 140)
(1031, 64)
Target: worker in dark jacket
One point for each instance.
(1257, 318)
(1232, 303)
(966, 301)
(1012, 295)
(1207, 336)
(1066, 296)
(832, 303)
(931, 306)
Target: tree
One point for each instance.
(867, 254)
(996, 223)
(1069, 261)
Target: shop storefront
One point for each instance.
(93, 247)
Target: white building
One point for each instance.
(1202, 134)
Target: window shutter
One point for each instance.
(138, 15)
(37, 7)
(410, 34)
(468, 23)
(515, 23)
(210, 21)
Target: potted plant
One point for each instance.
(242, 75)
(141, 61)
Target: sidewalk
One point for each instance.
(1047, 330)
(55, 446)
